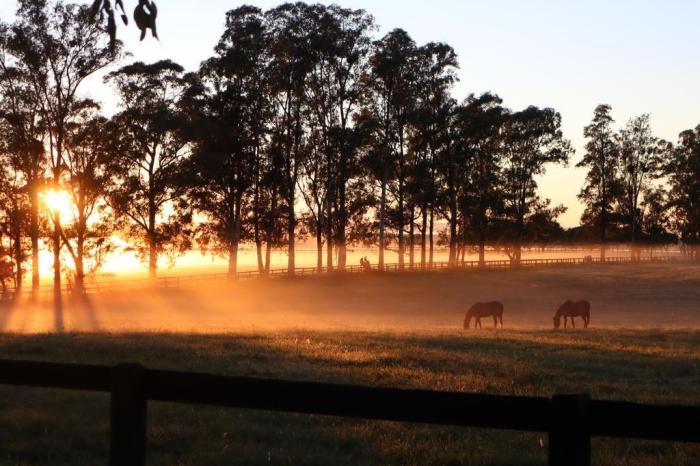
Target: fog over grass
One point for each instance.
(622, 296)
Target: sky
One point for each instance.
(638, 56)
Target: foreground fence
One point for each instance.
(569, 420)
(184, 280)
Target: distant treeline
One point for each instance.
(303, 124)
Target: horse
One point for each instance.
(477, 311)
(571, 309)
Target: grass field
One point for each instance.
(396, 331)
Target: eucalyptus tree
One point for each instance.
(532, 140)
(601, 188)
(228, 116)
(478, 156)
(14, 209)
(87, 235)
(57, 46)
(340, 44)
(22, 146)
(638, 166)
(436, 68)
(682, 169)
(149, 153)
(391, 82)
(290, 62)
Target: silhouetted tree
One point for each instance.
(87, 234)
(391, 80)
(228, 115)
(436, 67)
(638, 166)
(149, 152)
(475, 166)
(340, 43)
(289, 30)
(23, 155)
(682, 167)
(602, 184)
(57, 48)
(533, 139)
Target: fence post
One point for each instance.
(569, 430)
(127, 416)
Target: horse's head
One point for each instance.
(557, 321)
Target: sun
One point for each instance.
(58, 200)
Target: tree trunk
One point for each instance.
(329, 235)
(17, 252)
(270, 233)
(432, 238)
(402, 213)
(152, 257)
(382, 222)
(341, 225)
(411, 239)
(423, 236)
(291, 237)
(232, 261)
(319, 240)
(34, 236)
(80, 271)
(56, 240)
(235, 240)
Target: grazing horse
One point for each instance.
(493, 309)
(571, 309)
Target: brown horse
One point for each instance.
(570, 310)
(493, 309)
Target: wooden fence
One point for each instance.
(569, 420)
(167, 282)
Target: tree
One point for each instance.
(682, 167)
(602, 184)
(13, 219)
(149, 152)
(391, 80)
(340, 43)
(435, 74)
(22, 150)
(290, 64)
(533, 139)
(57, 47)
(87, 234)
(638, 166)
(229, 115)
(475, 165)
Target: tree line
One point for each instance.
(302, 124)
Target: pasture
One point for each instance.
(380, 330)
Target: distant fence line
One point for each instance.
(168, 282)
(569, 420)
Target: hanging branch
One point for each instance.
(145, 15)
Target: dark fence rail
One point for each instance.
(185, 280)
(569, 420)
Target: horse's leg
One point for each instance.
(573, 322)
(477, 322)
(495, 321)
(566, 321)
